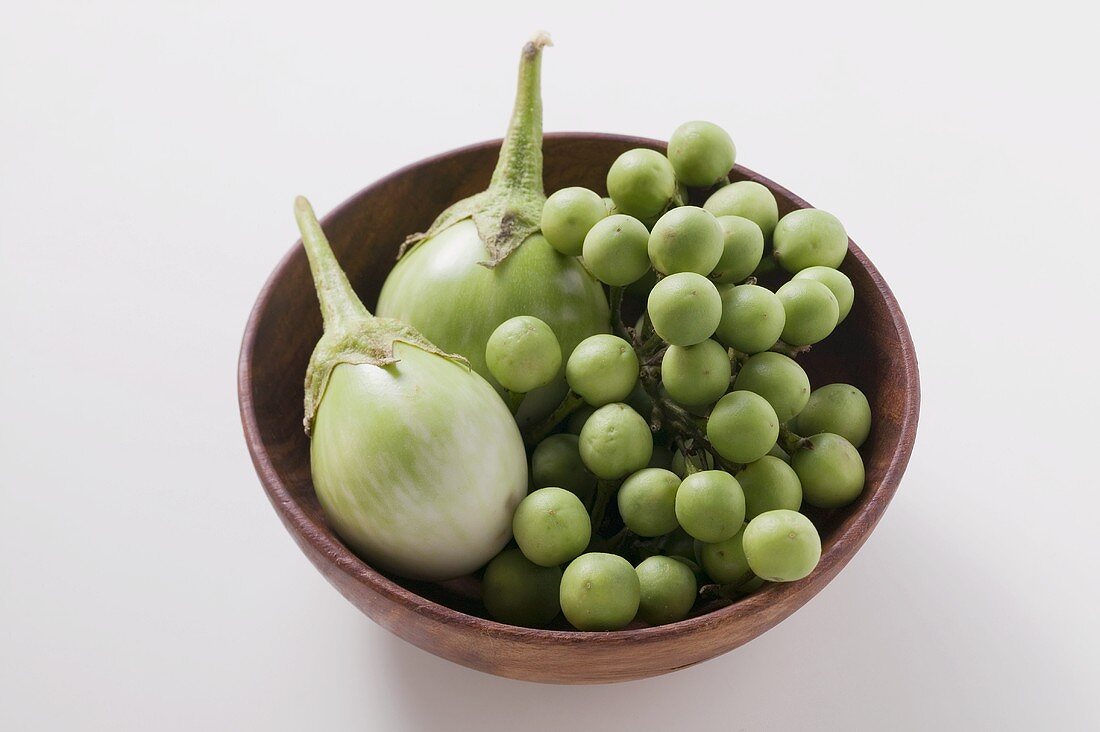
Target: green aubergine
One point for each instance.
(485, 260)
(416, 460)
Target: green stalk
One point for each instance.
(617, 326)
(340, 306)
(788, 350)
(605, 489)
(519, 166)
(351, 334)
(509, 211)
(790, 442)
(569, 404)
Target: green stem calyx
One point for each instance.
(351, 334)
(791, 442)
(510, 210)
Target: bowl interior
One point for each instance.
(870, 350)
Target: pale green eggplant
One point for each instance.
(416, 460)
(485, 260)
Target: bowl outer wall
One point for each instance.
(285, 323)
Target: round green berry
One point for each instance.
(742, 248)
(701, 153)
(810, 311)
(777, 378)
(752, 318)
(809, 237)
(684, 308)
(841, 409)
(556, 462)
(686, 239)
(696, 375)
(615, 441)
(647, 501)
(710, 505)
(568, 215)
(749, 199)
(641, 183)
(602, 369)
(616, 250)
(515, 590)
(742, 427)
(667, 590)
(725, 562)
(781, 546)
(837, 282)
(600, 592)
(523, 354)
(551, 526)
(830, 470)
(769, 484)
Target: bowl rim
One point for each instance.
(852, 531)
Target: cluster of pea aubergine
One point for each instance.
(696, 425)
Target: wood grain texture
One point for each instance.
(871, 349)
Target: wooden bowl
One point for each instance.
(871, 349)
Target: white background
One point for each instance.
(149, 154)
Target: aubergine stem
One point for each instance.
(340, 306)
(617, 326)
(351, 334)
(605, 489)
(509, 211)
(788, 350)
(790, 441)
(520, 163)
(569, 404)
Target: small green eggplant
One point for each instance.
(416, 460)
